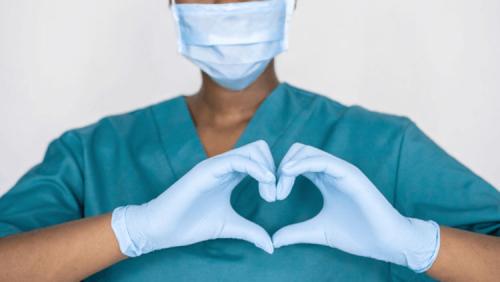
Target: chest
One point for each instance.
(220, 139)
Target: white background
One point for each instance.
(67, 63)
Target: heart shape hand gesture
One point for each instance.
(356, 218)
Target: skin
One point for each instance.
(75, 250)
(220, 115)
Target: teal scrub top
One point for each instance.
(131, 158)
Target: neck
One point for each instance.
(214, 104)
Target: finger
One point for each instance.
(296, 153)
(284, 187)
(235, 163)
(285, 183)
(265, 154)
(260, 152)
(294, 149)
(302, 152)
(266, 178)
(237, 227)
(267, 191)
(319, 164)
(307, 232)
(328, 169)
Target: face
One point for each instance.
(232, 57)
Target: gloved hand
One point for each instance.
(356, 217)
(197, 207)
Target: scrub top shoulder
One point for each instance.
(133, 157)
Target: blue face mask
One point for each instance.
(233, 42)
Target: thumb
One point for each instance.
(237, 227)
(307, 232)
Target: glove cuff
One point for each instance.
(427, 245)
(119, 226)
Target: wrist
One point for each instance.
(132, 243)
(423, 247)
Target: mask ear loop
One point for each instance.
(173, 8)
(291, 5)
(180, 41)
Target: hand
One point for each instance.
(356, 217)
(197, 207)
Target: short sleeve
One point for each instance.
(433, 185)
(48, 194)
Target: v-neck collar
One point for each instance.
(181, 141)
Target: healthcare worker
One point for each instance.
(249, 179)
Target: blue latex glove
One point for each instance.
(356, 217)
(197, 207)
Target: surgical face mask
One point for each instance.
(233, 42)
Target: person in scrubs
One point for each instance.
(249, 179)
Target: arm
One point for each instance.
(50, 194)
(456, 197)
(66, 252)
(466, 256)
(357, 219)
(75, 250)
